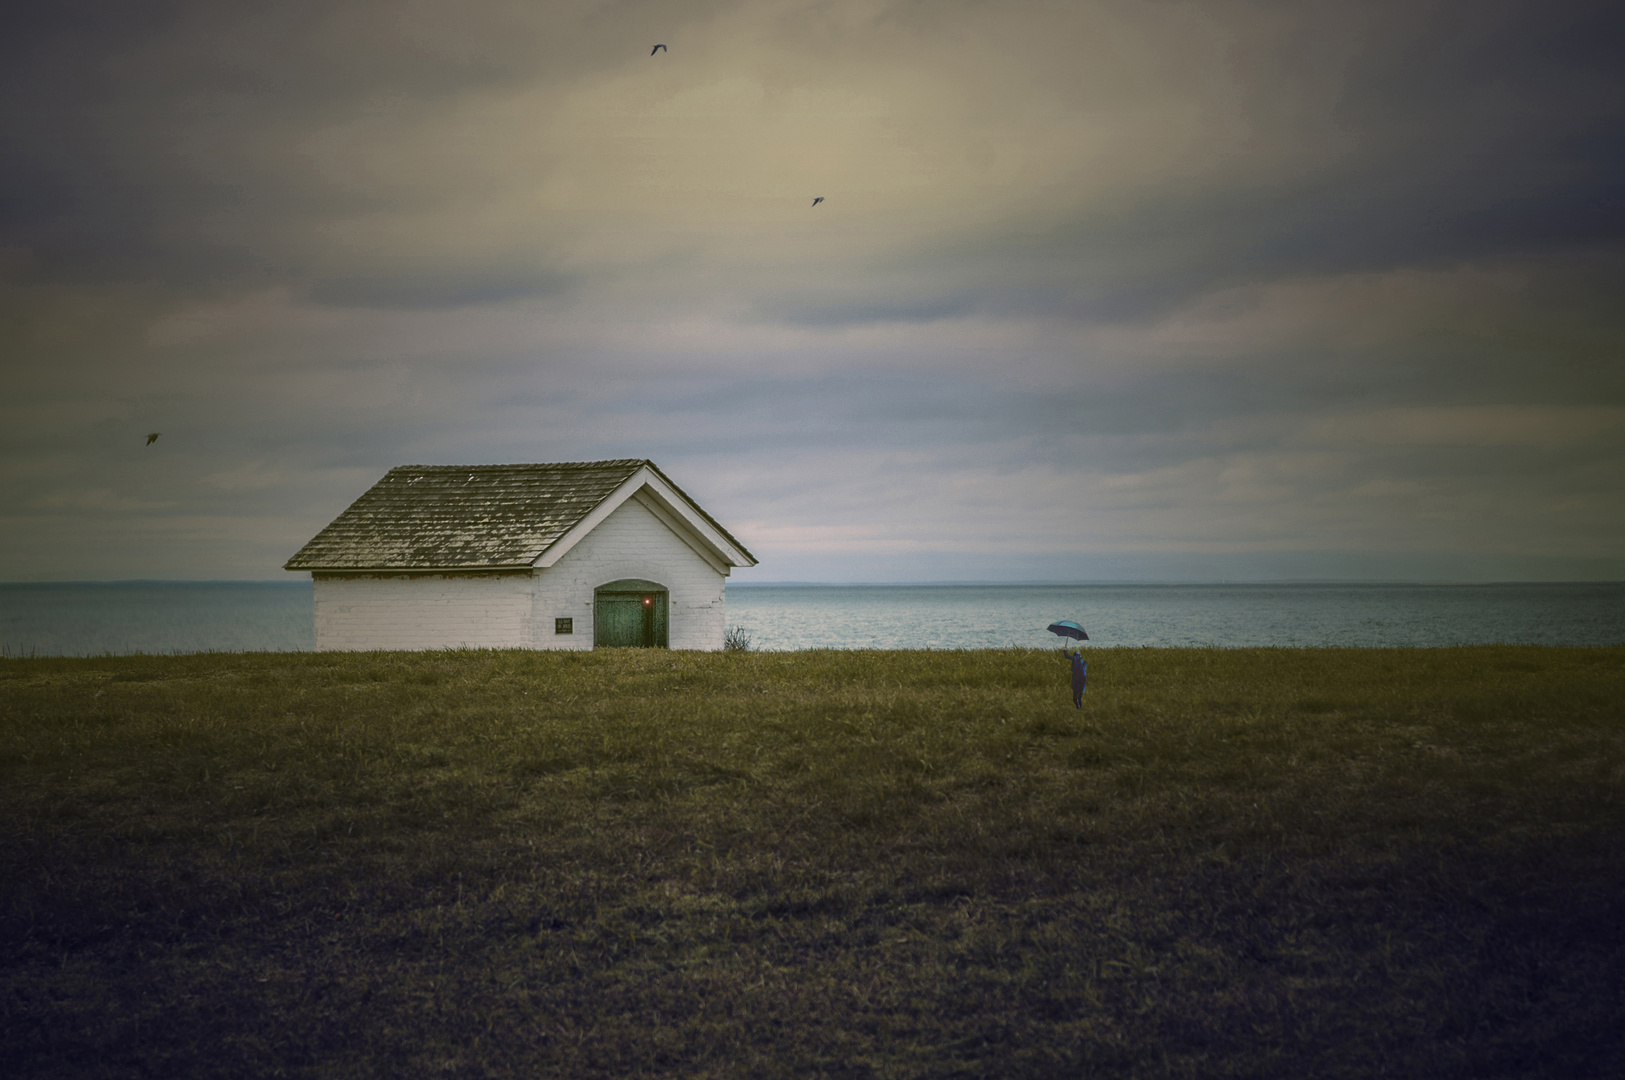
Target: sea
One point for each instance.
(159, 617)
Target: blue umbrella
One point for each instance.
(1068, 628)
(1080, 670)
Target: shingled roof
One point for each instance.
(466, 517)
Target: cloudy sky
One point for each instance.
(1130, 289)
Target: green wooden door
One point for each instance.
(630, 614)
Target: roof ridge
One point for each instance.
(532, 464)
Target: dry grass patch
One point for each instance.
(892, 864)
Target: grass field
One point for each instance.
(1259, 863)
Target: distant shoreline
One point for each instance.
(1037, 584)
(186, 617)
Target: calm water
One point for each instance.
(88, 619)
(166, 617)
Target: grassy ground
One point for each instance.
(1261, 863)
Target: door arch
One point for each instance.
(630, 613)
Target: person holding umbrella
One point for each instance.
(1066, 628)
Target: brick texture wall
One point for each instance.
(631, 543)
(432, 612)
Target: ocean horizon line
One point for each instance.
(1025, 583)
(190, 615)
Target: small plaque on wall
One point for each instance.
(564, 626)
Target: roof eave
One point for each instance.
(471, 569)
(727, 550)
(749, 559)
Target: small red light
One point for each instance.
(647, 601)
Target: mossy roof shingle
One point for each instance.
(467, 516)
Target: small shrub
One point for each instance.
(736, 639)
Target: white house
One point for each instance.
(560, 556)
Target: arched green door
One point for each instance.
(630, 613)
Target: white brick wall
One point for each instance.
(517, 610)
(430, 612)
(631, 543)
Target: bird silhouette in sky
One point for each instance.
(658, 48)
(818, 200)
(152, 437)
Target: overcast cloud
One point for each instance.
(1126, 289)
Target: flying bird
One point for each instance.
(658, 48)
(152, 437)
(818, 200)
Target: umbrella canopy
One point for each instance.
(1068, 628)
